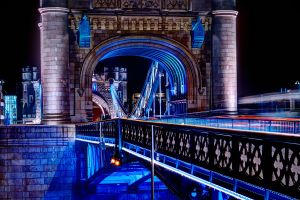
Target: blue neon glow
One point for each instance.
(168, 61)
(84, 32)
(198, 33)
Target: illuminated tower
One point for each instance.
(55, 61)
(31, 95)
(224, 61)
(10, 109)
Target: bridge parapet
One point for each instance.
(272, 160)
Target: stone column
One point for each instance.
(54, 65)
(224, 61)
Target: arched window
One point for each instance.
(197, 33)
(84, 32)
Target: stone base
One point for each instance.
(56, 119)
(37, 162)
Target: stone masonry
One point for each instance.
(224, 61)
(212, 75)
(54, 65)
(37, 162)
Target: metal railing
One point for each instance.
(281, 126)
(271, 160)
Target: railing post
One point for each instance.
(119, 136)
(101, 144)
(235, 156)
(211, 152)
(152, 162)
(267, 165)
(267, 194)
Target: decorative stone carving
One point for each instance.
(141, 4)
(176, 4)
(136, 23)
(104, 4)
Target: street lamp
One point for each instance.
(297, 83)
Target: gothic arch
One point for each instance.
(173, 56)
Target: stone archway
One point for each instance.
(173, 56)
(101, 103)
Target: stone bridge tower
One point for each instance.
(77, 34)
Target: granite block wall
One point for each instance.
(37, 162)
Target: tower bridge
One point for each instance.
(194, 42)
(179, 35)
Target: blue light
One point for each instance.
(94, 87)
(84, 32)
(93, 159)
(10, 109)
(198, 33)
(118, 105)
(189, 176)
(167, 60)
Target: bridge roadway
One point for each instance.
(231, 161)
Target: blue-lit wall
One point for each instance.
(35, 168)
(10, 109)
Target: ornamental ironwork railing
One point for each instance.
(268, 160)
(274, 125)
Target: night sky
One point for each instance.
(268, 42)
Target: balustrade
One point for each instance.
(270, 160)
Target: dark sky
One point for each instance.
(268, 42)
(19, 40)
(141, 65)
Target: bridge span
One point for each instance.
(243, 164)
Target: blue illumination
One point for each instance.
(118, 105)
(84, 32)
(167, 60)
(150, 87)
(10, 109)
(189, 176)
(197, 34)
(94, 87)
(93, 156)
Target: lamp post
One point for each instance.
(297, 83)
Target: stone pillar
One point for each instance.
(55, 64)
(224, 61)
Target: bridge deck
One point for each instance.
(249, 157)
(240, 122)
